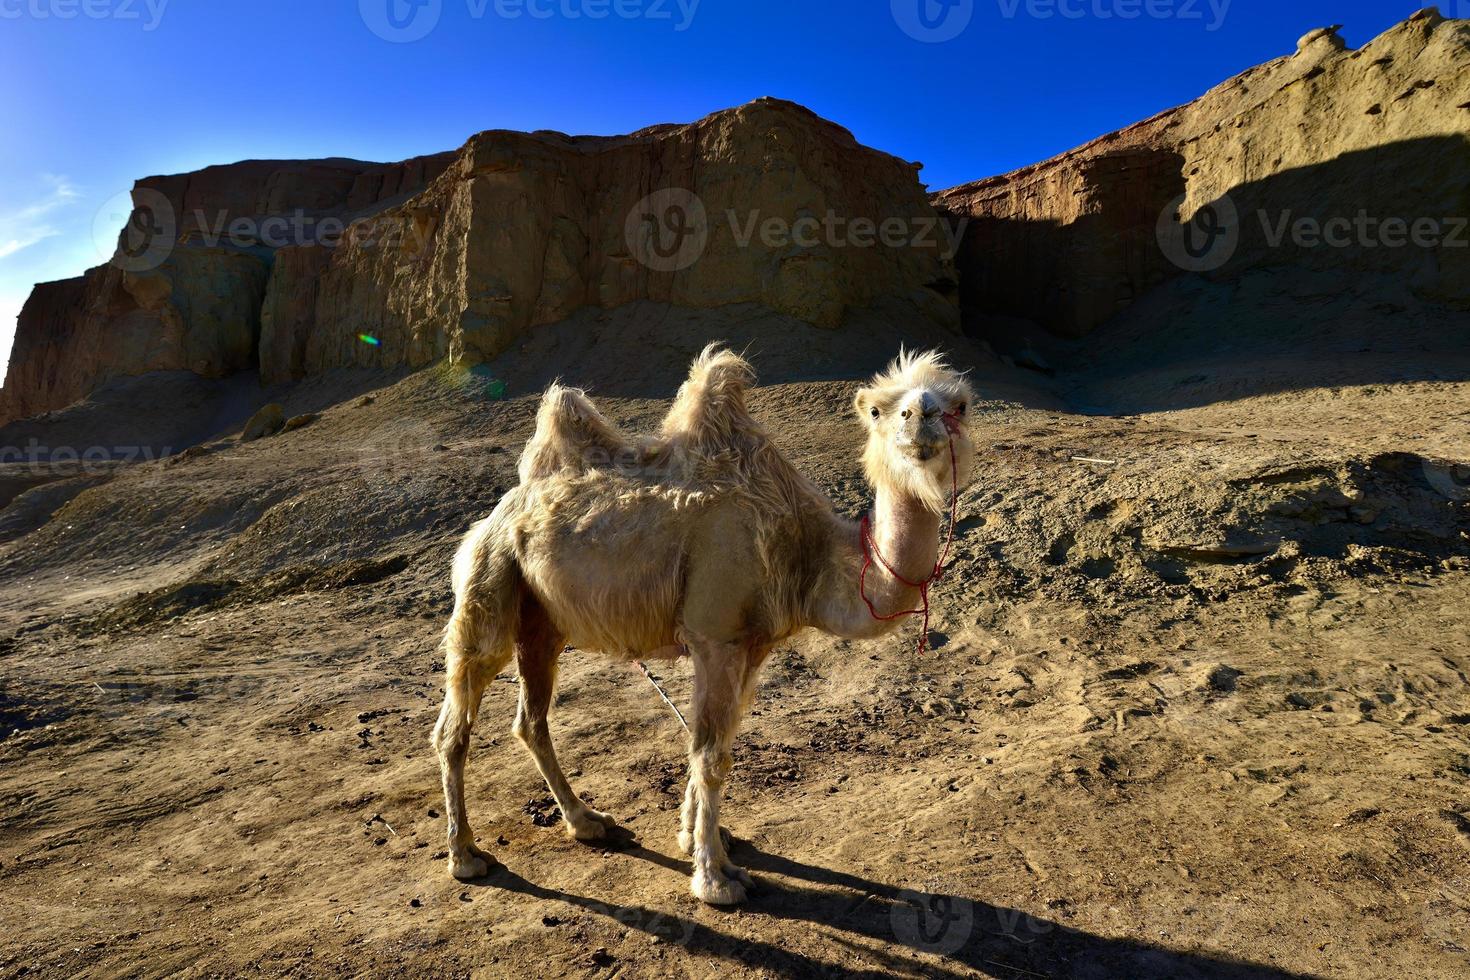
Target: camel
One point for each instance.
(702, 540)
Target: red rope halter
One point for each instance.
(870, 549)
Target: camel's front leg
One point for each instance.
(720, 696)
(687, 814)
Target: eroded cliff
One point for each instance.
(297, 268)
(301, 268)
(1371, 137)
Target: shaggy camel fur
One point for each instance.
(702, 540)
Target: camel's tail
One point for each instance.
(710, 411)
(571, 435)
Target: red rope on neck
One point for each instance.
(870, 549)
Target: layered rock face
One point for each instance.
(756, 204)
(188, 295)
(1371, 137)
(338, 263)
(194, 312)
(296, 268)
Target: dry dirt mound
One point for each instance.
(1190, 668)
(210, 595)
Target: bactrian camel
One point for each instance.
(702, 540)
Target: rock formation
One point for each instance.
(293, 269)
(193, 312)
(189, 296)
(1325, 134)
(523, 229)
(339, 263)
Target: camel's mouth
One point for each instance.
(922, 452)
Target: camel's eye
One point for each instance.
(960, 408)
(875, 413)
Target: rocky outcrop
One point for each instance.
(523, 229)
(194, 312)
(1324, 135)
(296, 268)
(309, 198)
(289, 310)
(266, 422)
(341, 263)
(188, 294)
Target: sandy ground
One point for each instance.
(1199, 708)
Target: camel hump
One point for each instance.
(571, 436)
(710, 407)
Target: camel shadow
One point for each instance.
(896, 930)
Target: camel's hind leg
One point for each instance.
(474, 652)
(538, 648)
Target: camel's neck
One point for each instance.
(906, 535)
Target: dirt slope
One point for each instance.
(1199, 709)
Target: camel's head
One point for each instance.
(914, 412)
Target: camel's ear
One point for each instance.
(863, 404)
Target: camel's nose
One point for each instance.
(921, 428)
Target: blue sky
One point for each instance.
(101, 92)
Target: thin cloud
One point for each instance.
(25, 227)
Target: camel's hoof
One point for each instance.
(717, 891)
(741, 875)
(591, 825)
(686, 841)
(472, 864)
